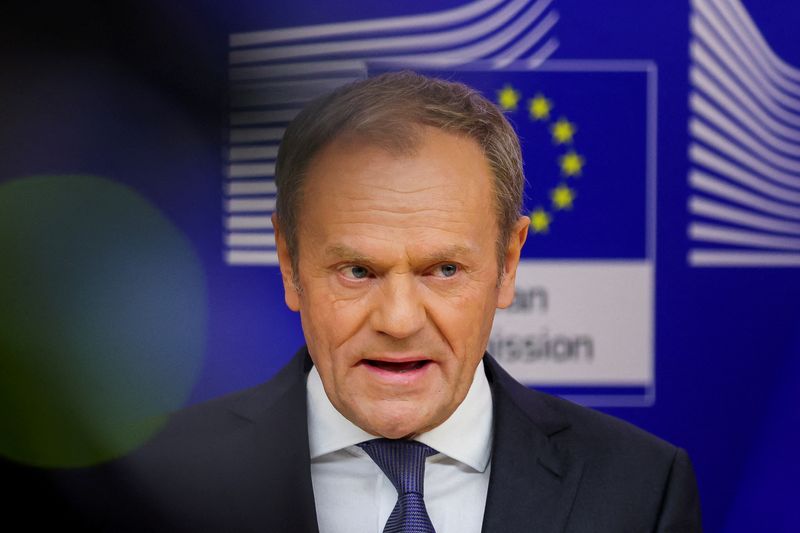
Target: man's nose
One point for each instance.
(399, 311)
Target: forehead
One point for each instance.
(440, 193)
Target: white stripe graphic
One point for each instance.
(538, 58)
(249, 135)
(710, 209)
(443, 39)
(250, 239)
(711, 161)
(249, 187)
(716, 258)
(745, 139)
(715, 115)
(725, 235)
(742, 52)
(251, 171)
(273, 72)
(248, 222)
(755, 45)
(702, 132)
(748, 79)
(703, 82)
(251, 257)
(713, 186)
(486, 46)
(745, 122)
(269, 151)
(412, 22)
(250, 205)
(510, 55)
(751, 28)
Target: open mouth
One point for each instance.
(399, 367)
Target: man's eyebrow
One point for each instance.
(448, 253)
(342, 251)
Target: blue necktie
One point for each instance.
(403, 462)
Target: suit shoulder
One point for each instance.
(649, 481)
(216, 418)
(584, 429)
(209, 413)
(600, 435)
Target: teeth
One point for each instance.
(400, 368)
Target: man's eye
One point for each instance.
(355, 272)
(447, 270)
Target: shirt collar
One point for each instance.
(465, 437)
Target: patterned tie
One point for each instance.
(403, 462)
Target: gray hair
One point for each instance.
(388, 111)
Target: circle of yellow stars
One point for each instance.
(570, 163)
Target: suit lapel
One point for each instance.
(531, 487)
(532, 484)
(283, 498)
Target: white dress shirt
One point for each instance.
(353, 495)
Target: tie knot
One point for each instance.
(403, 462)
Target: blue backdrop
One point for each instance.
(687, 123)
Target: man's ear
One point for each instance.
(290, 294)
(511, 260)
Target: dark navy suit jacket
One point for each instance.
(241, 463)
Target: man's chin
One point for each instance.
(398, 432)
(400, 423)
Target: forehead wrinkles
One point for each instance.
(412, 240)
(391, 214)
(403, 221)
(446, 186)
(400, 188)
(365, 158)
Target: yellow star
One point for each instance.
(562, 197)
(508, 97)
(571, 164)
(563, 131)
(540, 220)
(539, 107)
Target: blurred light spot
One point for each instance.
(102, 319)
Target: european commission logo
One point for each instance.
(745, 148)
(582, 320)
(570, 163)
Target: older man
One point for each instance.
(399, 233)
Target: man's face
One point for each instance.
(398, 277)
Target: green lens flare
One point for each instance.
(103, 315)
